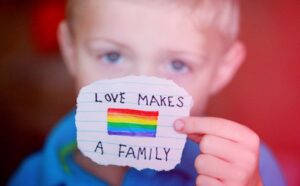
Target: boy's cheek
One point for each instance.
(199, 106)
(88, 74)
(198, 90)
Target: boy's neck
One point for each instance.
(113, 175)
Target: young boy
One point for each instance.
(191, 42)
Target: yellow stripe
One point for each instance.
(131, 120)
(132, 115)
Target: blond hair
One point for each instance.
(223, 15)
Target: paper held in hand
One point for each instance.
(129, 122)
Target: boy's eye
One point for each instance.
(178, 66)
(112, 57)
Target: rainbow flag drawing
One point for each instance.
(128, 122)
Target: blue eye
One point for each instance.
(112, 58)
(178, 66)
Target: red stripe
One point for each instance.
(114, 114)
(132, 112)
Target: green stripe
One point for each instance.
(131, 125)
(63, 154)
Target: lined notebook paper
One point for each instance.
(129, 122)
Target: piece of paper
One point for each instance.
(129, 122)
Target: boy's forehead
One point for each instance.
(74, 3)
(220, 15)
(160, 27)
(75, 7)
(136, 11)
(124, 20)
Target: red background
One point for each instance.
(264, 95)
(266, 92)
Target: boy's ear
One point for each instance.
(227, 68)
(66, 46)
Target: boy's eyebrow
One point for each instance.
(95, 41)
(187, 53)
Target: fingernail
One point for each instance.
(178, 125)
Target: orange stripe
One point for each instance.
(130, 115)
(133, 112)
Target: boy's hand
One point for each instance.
(230, 151)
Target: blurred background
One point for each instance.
(36, 90)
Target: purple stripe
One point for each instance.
(141, 134)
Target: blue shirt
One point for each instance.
(54, 165)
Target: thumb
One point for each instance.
(179, 126)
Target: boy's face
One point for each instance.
(114, 38)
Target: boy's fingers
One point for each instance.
(206, 180)
(237, 154)
(217, 168)
(218, 127)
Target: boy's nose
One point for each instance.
(146, 70)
